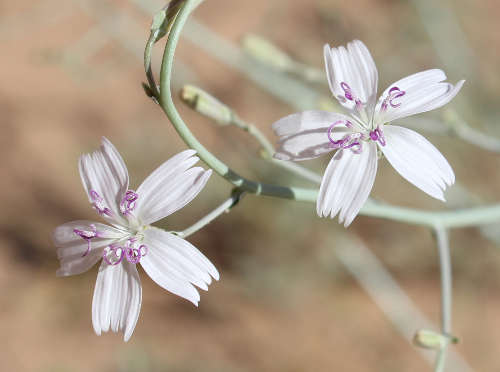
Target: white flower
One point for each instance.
(172, 262)
(348, 180)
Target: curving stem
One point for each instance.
(458, 218)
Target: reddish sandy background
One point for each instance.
(71, 73)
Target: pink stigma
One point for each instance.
(349, 141)
(128, 202)
(393, 93)
(99, 205)
(129, 252)
(350, 96)
(88, 236)
(378, 135)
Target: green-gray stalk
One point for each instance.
(443, 244)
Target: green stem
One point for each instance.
(447, 219)
(167, 104)
(223, 208)
(443, 244)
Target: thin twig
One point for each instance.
(223, 208)
(446, 291)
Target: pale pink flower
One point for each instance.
(358, 136)
(172, 262)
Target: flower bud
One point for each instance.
(266, 52)
(207, 105)
(428, 339)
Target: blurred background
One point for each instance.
(297, 293)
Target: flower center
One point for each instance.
(88, 236)
(128, 202)
(132, 252)
(393, 93)
(354, 141)
(99, 204)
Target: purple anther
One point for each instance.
(99, 204)
(133, 255)
(117, 251)
(393, 93)
(378, 135)
(143, 249)
(374, 135)
(347, 91)
(88, 236)
(381, 138)
(128, 202)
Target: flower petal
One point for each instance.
(354, 66)
(117, 299)
(424, 91)
(170, 187)
(175, 264)
(71, 247)
(417, 160)
(305, 135)
(347, 183)
(104, 172)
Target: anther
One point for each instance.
(128, 202)
(114, 250)
(88, 236)
(393, 93)
(99, 205)
(378, 135)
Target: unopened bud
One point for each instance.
(266, 52)
(432, 340)
(207, 105)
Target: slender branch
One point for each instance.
(269, 151)
(446, 287)
(167, 104)
(223, 115)
(223, 208)
(446, 291)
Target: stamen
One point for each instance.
(347, 91)
(117, 252)
(133, 255)
(339, 143)
(349, 141)
(393, 93)
(129, 252)
(88, 236)
(128, 202)
(378, 135)
(350, 96)
(99, 205)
